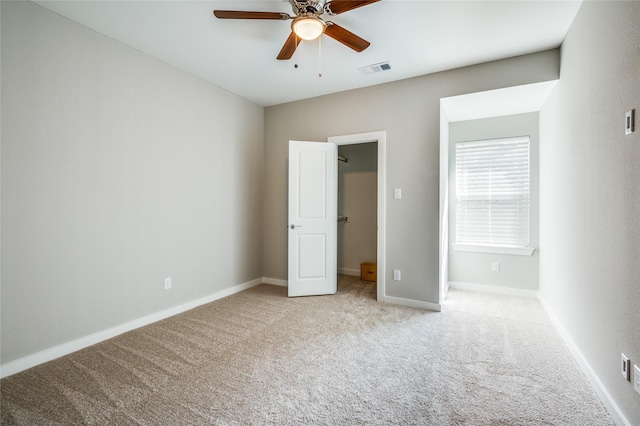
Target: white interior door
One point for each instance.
(312, 218)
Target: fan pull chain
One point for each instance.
(294, 52)
(320, 56)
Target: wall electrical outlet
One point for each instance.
(636, 378)
(396, 275)
(626, 370)
(495, 266)
(167, 283)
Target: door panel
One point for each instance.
(312, 192)
(312, 250)
(312, 218)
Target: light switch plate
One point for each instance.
(625, 370)
(397, 194)
(636, 378)
(629, 122)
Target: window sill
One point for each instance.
(517, 251)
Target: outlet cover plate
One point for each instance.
(167, 283)
(636, 378)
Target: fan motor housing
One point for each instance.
(305, 7)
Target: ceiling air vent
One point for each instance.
(370, 69)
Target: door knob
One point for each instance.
(295, 226)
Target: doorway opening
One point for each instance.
(361, 145)
(357, 213)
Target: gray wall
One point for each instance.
(590, 194)
(520, 272)
(409, 110)
(117, 171)
(358, 200)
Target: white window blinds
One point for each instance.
(492, 192)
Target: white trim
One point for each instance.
(516, 251)
(381, 138)
(443, 210)
(430, 306)
(275, 281)
(50, 354)
(482, 288)
(606, 398)
(350, 272)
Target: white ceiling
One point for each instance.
(417, 37)
(499, 102)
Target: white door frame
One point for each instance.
(381, 138)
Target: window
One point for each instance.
(493, 194)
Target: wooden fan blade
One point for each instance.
(346, 37)
(340, 6)
(239, 14)
(289, 47)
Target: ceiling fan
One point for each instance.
(307, 22)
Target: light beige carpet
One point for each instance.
(259, 358)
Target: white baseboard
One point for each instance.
(445, 292)
(50, 354)
(430, 306)
(350, 272)
(601, 391)
(275, 281)
(507, 291)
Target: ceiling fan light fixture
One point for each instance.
(308, 27)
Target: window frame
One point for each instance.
(488, 246)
